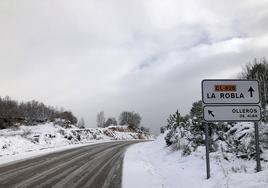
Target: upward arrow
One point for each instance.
(251, 90)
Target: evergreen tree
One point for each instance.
(175, 126)
(196, 126)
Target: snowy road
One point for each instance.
(95, 166)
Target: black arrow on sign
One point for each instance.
(211, 113)
(251, 90)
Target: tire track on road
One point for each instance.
(98, 165)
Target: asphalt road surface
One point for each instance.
(91, 166)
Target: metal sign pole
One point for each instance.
(256, 125)
(207, 150)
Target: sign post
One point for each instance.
(257, 146)
(231, 100)
(207, 150)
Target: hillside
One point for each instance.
(23, 139)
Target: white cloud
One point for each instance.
(147, 56)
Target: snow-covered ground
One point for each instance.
(29, 141)
(153, 165)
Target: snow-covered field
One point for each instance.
(153, 165)
(29, 141)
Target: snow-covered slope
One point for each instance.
(44, 136)
(154, 165)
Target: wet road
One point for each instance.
(91, 166)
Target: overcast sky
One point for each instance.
(147, 56)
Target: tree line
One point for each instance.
(32, 112)
(131, 119)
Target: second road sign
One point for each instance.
(216, 113)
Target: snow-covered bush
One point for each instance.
(187, 134)
(178, 136)
(240, 140)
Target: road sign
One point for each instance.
(215, 113)
(230, 92)
(231, 100)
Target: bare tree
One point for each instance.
(81, 123)
(100, 119)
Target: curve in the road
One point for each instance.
(93, 166)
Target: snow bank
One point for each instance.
(47, 136)
(154, 165)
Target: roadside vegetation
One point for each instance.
(14, 113)
(126, 118)
(186, 133)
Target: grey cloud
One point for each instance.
(146, 56)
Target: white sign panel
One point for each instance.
(216, 113)
(230, 92)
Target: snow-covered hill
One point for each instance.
(43, 136)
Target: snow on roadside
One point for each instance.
(35, 153)
(153, 165)
(28, 141)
